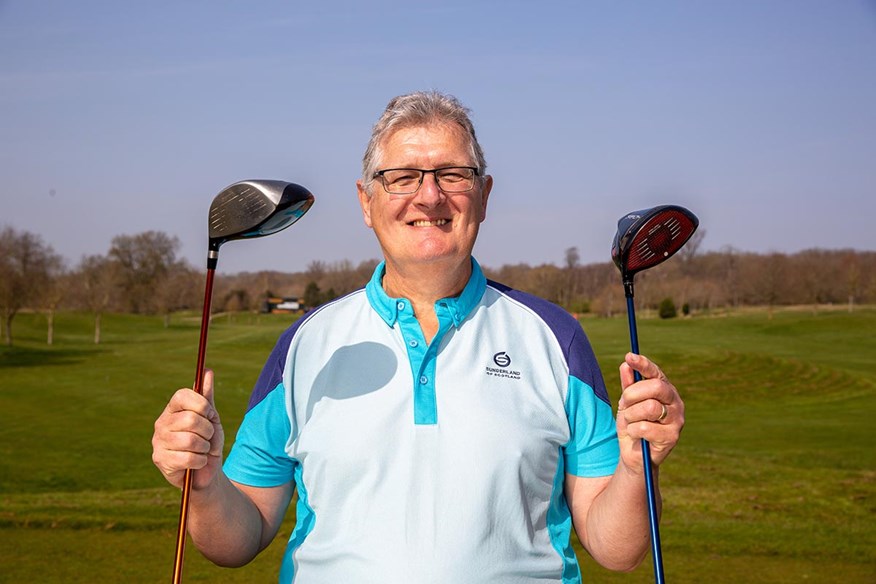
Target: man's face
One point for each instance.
(429, 226)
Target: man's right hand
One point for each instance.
(188, 434)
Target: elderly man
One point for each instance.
(436, 426)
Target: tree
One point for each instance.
(569, 294)
(142, 263)
(177, 289)
(316, 270)
(691, 249)
(767, 278)
(546, 281)
(96, 279)
(26, 264)
(312, 295)
(852, 269)
(56, 289)
(236, 300)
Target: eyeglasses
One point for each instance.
(406, 181)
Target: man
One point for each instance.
(437, 427)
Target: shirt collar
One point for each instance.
(458, 307)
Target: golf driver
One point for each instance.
(243, 210)
(643, 240)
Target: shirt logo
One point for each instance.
(503, 361)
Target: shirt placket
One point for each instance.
(422, 357)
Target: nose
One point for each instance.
(429, 193)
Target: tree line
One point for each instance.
(143, 274)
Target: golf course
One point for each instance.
(774, 479)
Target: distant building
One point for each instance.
(285, 305)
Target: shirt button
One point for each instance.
(401, 305)
(424, 380)
(413, 342)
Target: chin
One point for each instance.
(424, 254)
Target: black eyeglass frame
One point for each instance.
(380, 174)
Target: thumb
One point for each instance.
(218, 439)
(207, 387)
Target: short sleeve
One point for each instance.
(593, 449)
(258, 457)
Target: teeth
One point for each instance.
(435, 223)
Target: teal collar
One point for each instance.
(458, 308)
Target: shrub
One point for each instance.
(667, 309)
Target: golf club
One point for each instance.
(243, 210)
(643, 240)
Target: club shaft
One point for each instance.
(198, 387)
(654, 521)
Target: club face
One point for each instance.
(651, 236)
(255, 208)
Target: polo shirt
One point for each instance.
(436, 462)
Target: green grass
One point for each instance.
(774, 480)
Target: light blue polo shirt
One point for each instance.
(434, 462)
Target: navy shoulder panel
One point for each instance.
(272, 372)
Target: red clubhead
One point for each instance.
(649, 237)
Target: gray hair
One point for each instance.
(419, 109)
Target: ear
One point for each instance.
(485, 195)
(364, 202)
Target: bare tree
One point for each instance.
(54, 293)
(730, 275)
(767, 277)
(25, 267)
(342, 278)
(177, 289)
(546, 281)
(515, 275)
(96, 281)
(316, 271)
(852, 269)
(569, 294)
(691, 250)
(143, 261)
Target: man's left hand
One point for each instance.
(651, 409)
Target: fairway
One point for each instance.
(774, 479)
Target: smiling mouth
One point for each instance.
(433, 223)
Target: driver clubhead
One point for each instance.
(651, 236)
(255, 208)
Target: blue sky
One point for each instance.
(760, 116)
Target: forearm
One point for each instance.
(616, 529)
(225, 525)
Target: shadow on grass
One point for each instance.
(30, 357)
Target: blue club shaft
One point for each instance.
(656, 553)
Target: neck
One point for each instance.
(424, 285)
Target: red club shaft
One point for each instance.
(198, 387)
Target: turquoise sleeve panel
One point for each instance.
(593, 449)
(258, 457)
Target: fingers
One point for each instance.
(188, 434)
(650, 409)
(647, 368)
(641, 419)
(654, 382)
